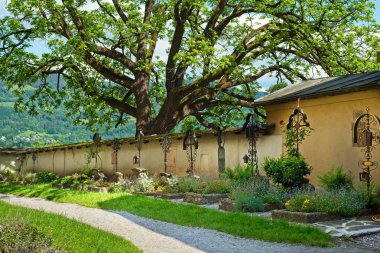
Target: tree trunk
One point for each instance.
(143, 105)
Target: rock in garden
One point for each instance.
(165, 174)
(117, 177)
(139, 172)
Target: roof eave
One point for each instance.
(317, 95)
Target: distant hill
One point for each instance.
(23, 130)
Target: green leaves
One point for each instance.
(180, 58)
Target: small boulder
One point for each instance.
(139, 172)
(165, 174)
(117, 177)
(98, 175)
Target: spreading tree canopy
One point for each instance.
(110, 64)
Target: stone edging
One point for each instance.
(303, 217)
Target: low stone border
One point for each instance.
(171, 195)
(302, 217)
(271, 207)
(17, 182)
(227, 204)
(97, 189)
(202, 199)
(161, 195)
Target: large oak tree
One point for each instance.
(110, 66)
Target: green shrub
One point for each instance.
(45, 177)
(65, 181)
(17, 236)
(116, 188)
(289, 171)
(30, 178)
(341, 202)
(239, 173)
(185, 184)
(276, 195)
(88, 171)
(255, 186)
(336, 179)
(217, 186)
(247, 202)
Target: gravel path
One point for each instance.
(156, 236)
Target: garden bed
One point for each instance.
(202, 199)
(227, 204)
(303, 217)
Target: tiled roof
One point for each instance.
(323, 87)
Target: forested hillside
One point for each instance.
(23, 130)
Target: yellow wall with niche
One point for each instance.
(332, 118)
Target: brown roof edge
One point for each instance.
(316, 95)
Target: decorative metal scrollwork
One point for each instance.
(139, 142)
(34, 158)
(298, 121)
(116, 145)
(367, 135)
(190, 144)
(165, 145)
(252, 128)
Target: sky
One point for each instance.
(39, 47)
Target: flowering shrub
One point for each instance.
(190, 184)
(143, 185)
(342, 202)
(185, 184)
(255, 186)
(247, 202)
(18, 236)
(217, 186)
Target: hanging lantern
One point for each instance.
(246, 159)
(136, 160)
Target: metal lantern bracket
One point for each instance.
(190, 144)
(139, 141)
(370, 137)
(96, 138)
(165, 145)
(294, 119)
(298, 120)
(190, 135)
(116, 145)
(34, 158)
(252, 127)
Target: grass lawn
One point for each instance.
(238, 224)
(67, 234)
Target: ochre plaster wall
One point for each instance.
(332, 118)
(8, 163)
(70, 160)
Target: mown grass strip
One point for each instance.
(237, 224)
(67, 234)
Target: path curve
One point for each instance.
(154, 236)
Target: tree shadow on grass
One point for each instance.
(26, 191)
